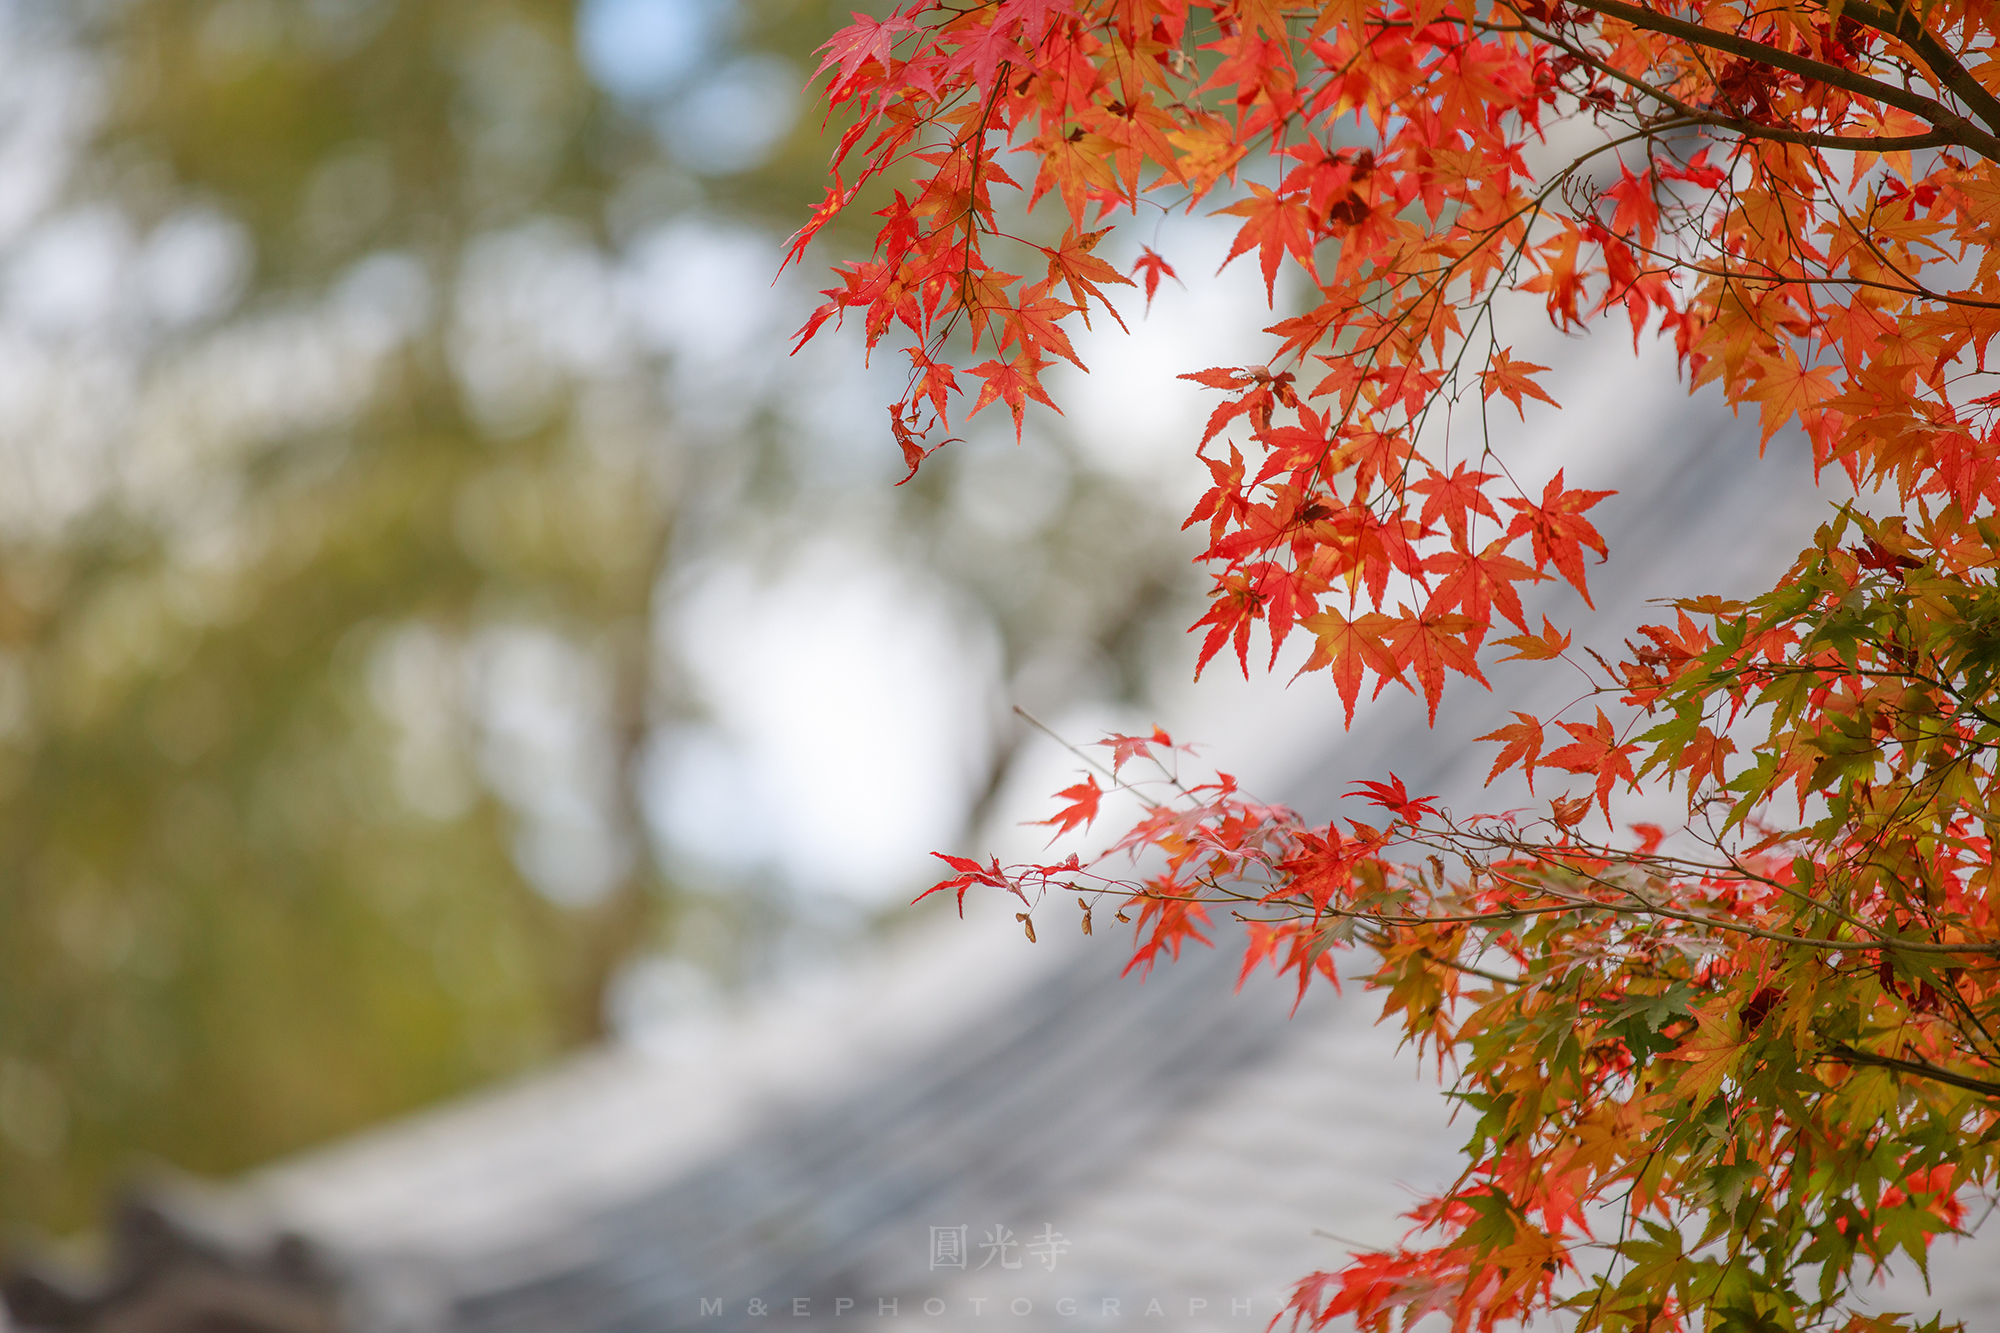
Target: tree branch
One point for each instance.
(1892, 143)
(1749, 129)
(1962, 131)
(1469, 969)
(1916, 1069)
(1943, 65)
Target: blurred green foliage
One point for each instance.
(342, 444)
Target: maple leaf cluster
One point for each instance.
(1764, 1041)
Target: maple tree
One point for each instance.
(1717, 1074)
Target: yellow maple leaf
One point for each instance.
(1208, 152)
(1786, 389)
(1711, 1051)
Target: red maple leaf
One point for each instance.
(1124, 748)
(1638, 211)
(1432, 643)
(1072, 263)
(1394, 797)
(982, 49)
(1276, 224)
(1559, 531)
(1082, 807)
(1454, 497)
(1476, 584)
(1595, 752)
(1521, 742)
(937, 381)
(969, 873)
(861, 41)
(1012, 382)
(1152, 268)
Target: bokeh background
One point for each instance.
(440, 627)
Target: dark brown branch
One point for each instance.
(1892, 143)
(1749, 129)
(1767, 279)
(1916, 1069)
(1907, 28)
(1470, 970)
(1962, 132)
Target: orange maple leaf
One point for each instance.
(1037, 323)
(1550, 643)
(1787, 389)
(1596, 751)
(1521, 743)
(1513, 380)
(1431, 643)
(1479, 583)
(1352, 648)
(1012, 382)
(1072, 263)
(1559, 530)
(1208, 152)
(1153, 268)
(1712, 1050)
(1275, 224)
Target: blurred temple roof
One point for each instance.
(958, 1126)
(1172, 1142)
